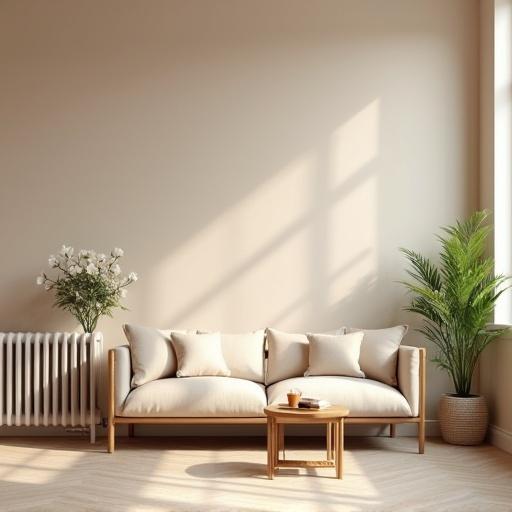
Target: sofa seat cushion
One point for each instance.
(363, 397)
(196, 397)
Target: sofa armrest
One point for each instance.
(121, 375)
(411, 377)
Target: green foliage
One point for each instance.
(87, 297)
(456, 298)
(89, 285)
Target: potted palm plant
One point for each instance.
(456, 299)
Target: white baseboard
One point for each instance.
(500, 438)
(402, 430)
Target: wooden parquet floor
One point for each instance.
(217, 474)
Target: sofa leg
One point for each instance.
(392, 430)
(111, 429)
(111, 437)
(422, 404)
(421, 437)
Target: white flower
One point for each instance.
(83, 263)
(75, 269)
(87, 254)
(123, 292)
(91, 269)
(116, 269)
(66, 251)
(103, 265)
(47, 286)
(52, 261)
(40, 279)
(117, 252)
(132, 276)
(77, 295)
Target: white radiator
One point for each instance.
(49, 379)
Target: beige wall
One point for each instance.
(495, 374)
(259, 162)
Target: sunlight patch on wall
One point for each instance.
(353, 220)
(258, 244)
(291, 249)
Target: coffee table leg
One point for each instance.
(275, 443)
(281, 440)
(329, 441)
(340, 424)
(270, 454)
(333, 455)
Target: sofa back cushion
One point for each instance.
(245, 355)
(151, 352)
(199, 354)
(334, 355)
(288, 355)
(379, 352)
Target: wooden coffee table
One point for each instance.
(333, 417)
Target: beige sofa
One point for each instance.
(233, 400)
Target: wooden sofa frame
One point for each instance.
(114, 420)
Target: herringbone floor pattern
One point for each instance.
(215, 474)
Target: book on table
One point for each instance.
(313, 403)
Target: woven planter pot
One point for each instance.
(463, 419)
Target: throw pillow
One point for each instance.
(199, 354)
(379, 352)
(287, 355)
(245, 354)
(151, 353)
(334, 355)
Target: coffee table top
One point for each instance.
(333, 411)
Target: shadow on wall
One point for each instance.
(298, 240)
